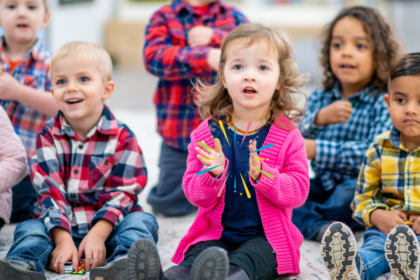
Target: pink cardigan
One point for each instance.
(13, 164)
(276, 196)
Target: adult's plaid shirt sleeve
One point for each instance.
(80, 182)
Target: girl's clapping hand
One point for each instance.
(212, 158)
(253, 161)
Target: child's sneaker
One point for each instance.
(402, 253)
(14, 269)
(143, 261)
(211, 264)
(115, 270)
(339, 251)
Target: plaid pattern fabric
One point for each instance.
(340, 148)
(34, 72)
(79, 182)
(389, 178)
(168, 56)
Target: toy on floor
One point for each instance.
(68, 268)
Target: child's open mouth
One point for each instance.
(347, 67)
(249, 90)
(22, 26)
(73, 101)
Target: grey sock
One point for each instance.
(321, 232)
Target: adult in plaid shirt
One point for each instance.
(88, 170)
(344, 117)
(183, 42)
(25, 84)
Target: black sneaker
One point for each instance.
(402, 253)
(143, 261)
(14, 269)
(115, 270)
(211, 264)
(339, 251)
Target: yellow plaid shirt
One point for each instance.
(389, 178)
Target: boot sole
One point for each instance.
(7, 271)
(402, 253)
(116, 271)
(143, 261)
(339, 251)
(211, 264)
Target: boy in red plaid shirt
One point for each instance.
(24, 84)
(183, 42)
(88, 170)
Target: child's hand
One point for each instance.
(213, 59)
(8, 86)
(199, 36)
(337, 112)
(385, 221)
(64, 251)
(254, 162)
(211, 158)
(94, 248)
(415, 219)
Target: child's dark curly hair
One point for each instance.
(385, 46)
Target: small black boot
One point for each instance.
(211, 264)
(143, 261)
(177, 273)
(236, 273)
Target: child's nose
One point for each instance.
(71, 86)
(411, 109)
(249, 77)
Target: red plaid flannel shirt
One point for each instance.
(168, 56)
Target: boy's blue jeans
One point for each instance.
(33, 245)
(372, 254)
(323, 206)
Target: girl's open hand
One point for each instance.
(253, 161)
(211, 158)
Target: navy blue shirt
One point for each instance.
(241, 219)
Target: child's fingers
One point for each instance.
(75, 259)
(204, 160)
(201, 152)
(218, 145)
(88, 255)
(402, 215)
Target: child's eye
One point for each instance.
(400, 100)
(31, 7)
(361, 46)
(237, 67)
(61, 82)
(336, 45)
(263, 68)
(11, 7)
(84, 79)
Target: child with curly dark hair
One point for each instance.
(344, 116)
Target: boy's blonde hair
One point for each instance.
(86, 50)
(215, 100)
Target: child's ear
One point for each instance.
(109, 89)
(386, 97)
(46, 21)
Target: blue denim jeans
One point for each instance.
(372, 254)
(33, 245)
(323, 206)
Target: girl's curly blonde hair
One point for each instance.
(215, 101)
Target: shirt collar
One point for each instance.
(37, 51)
(394, 138)
(366, 95)
(107, 125)
(179, 5)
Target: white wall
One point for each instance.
(79, 21)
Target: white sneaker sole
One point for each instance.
(402, 253)
(339, 251)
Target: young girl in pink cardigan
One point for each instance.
(13, 165)
(247, 167)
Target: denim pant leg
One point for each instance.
(323, 206)
(306, 218)
(372, 255)
(135, 226)
(168, 197)
(32, 244)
